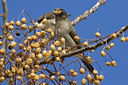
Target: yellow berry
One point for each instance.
(77, 38)
(24, 26)
(62, 40)
(44, 52)
(38, 34)
(30, 28)
(52, 77)
(59, 49)
(44, 21)
(27, 67)
(71, 71)
(122, 39)
(53, 47)
(36, 77)
(83, 81)
(92, 81)
(113, 63)
(112, 45)
(18, 60)
(36, 67)
(19, 77)
(57, 43)
(91, 51)
(11, 27)
(63, 52)
(39, 56)
(108, 47)
(13, 44)
(103, 53)
(108, 63)
(34, 37)
(2, 50)
(89, 59)
(96, 77)
(97, 82)
(95, 72)
(13, 51)
(97, 34)
(101, 77)
(85, 43)
(23, 20)
(49, 30)
(43, 33)
(1, 43)
(21, 46)
(74, 74)
(38, 50)
(29, 61)
(1, 63)
(10, 38)
(89, 77)
(7, 24)
(62, 78)
(57, 59)
(18, 23)
(12, 23)
(52, 34)
(42, 76)
(82, 70)
(2, 79)
(113, 36)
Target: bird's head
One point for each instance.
(60, 13)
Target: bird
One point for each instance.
(59, 20)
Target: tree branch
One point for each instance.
(5, 11)
(87, 13)
(90, 47)
(5, 20)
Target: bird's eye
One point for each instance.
(47, 18)
(62, 12)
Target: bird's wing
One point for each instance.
(73, 33)
(48, 15)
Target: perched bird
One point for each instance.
(59, 20)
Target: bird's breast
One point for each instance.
(63, 27)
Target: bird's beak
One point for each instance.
(57, 12)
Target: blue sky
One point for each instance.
(110, 17)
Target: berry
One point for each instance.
(103, 53)
(97, 34)
(18, 23)
(23, 20)
(113, 63)
(82, 70)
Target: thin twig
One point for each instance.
(87, 13)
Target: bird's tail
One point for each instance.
(89, 66)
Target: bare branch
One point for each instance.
(87, 13)
(5, 20)
(90, 47)
(5, 11)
